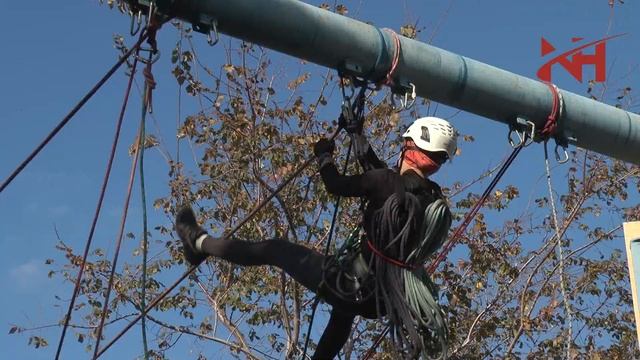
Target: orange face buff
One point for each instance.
(419, 160)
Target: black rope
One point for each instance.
(73, 111)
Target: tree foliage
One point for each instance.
(502, 293)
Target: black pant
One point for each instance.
(305, 266)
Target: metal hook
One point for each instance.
(135, 18)
(525, 133)
(511, 141)
(214, 27)
(347, 112)
(558, 158)
(152, 11)
(405, 104)
(531, 134)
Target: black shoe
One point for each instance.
(189, 231)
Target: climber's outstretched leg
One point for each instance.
(301, 263)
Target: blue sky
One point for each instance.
(53, 52)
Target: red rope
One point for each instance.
(388, 78)
(123, 220)
(150, 85)
(373, 347)
(548, 130)
(150, 82)
(96, 215)
(150, 36)
(551, 125)
(471, 214)
(390, 260)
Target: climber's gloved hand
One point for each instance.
(323, 150)
(324, 147)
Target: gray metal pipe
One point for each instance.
(325, 38)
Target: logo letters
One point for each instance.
(573, 60)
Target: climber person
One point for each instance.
(391, 248)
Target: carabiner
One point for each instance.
(511, 141)
(525, 134)
(405, 104)
(137, 19)
(214, 27)
(558, 158)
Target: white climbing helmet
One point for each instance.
(433, 134)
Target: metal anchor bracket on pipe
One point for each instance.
(335, 41)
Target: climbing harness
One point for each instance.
(388, 259)
(353, 281)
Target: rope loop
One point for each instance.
(550, 128)
(150, 84)
(388, 78)
(551, 125)
(388, 259)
